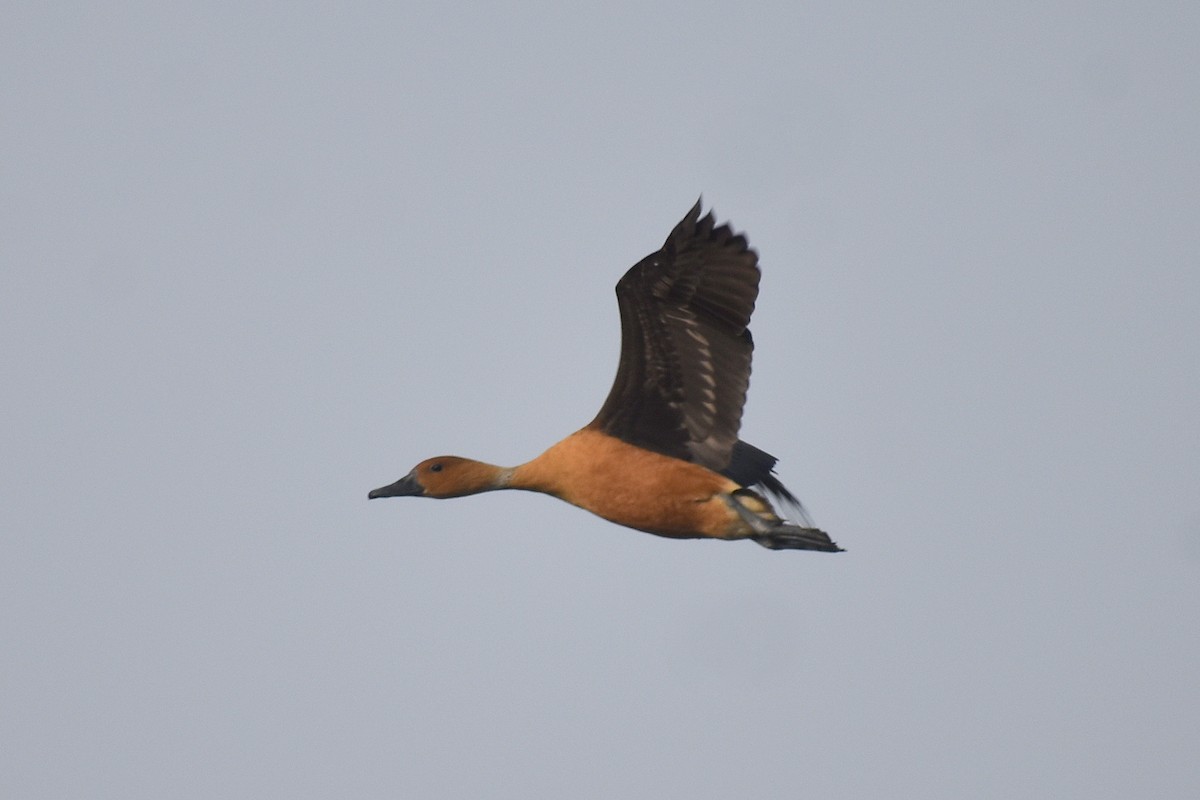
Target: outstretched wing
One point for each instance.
(685, 345)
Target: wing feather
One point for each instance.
(685, 345)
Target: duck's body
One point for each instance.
(632, 487)
(662, 456)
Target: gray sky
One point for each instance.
(257, 261)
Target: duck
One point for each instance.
(663, 455)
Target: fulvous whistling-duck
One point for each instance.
(663, 455)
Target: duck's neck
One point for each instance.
(543, 474)
(481, 476)
(551, 472)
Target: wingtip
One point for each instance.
(688, 225)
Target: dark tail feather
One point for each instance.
(794, 508)
(750, 466)
(793, 537)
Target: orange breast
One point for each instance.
(633, 487)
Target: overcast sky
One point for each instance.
(259, 259)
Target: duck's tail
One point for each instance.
(770, 531)
(793, 537)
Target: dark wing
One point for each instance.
(685, 345)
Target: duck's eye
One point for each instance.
(435, 467)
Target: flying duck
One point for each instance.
(663, 455)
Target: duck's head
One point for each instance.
(444, 476)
